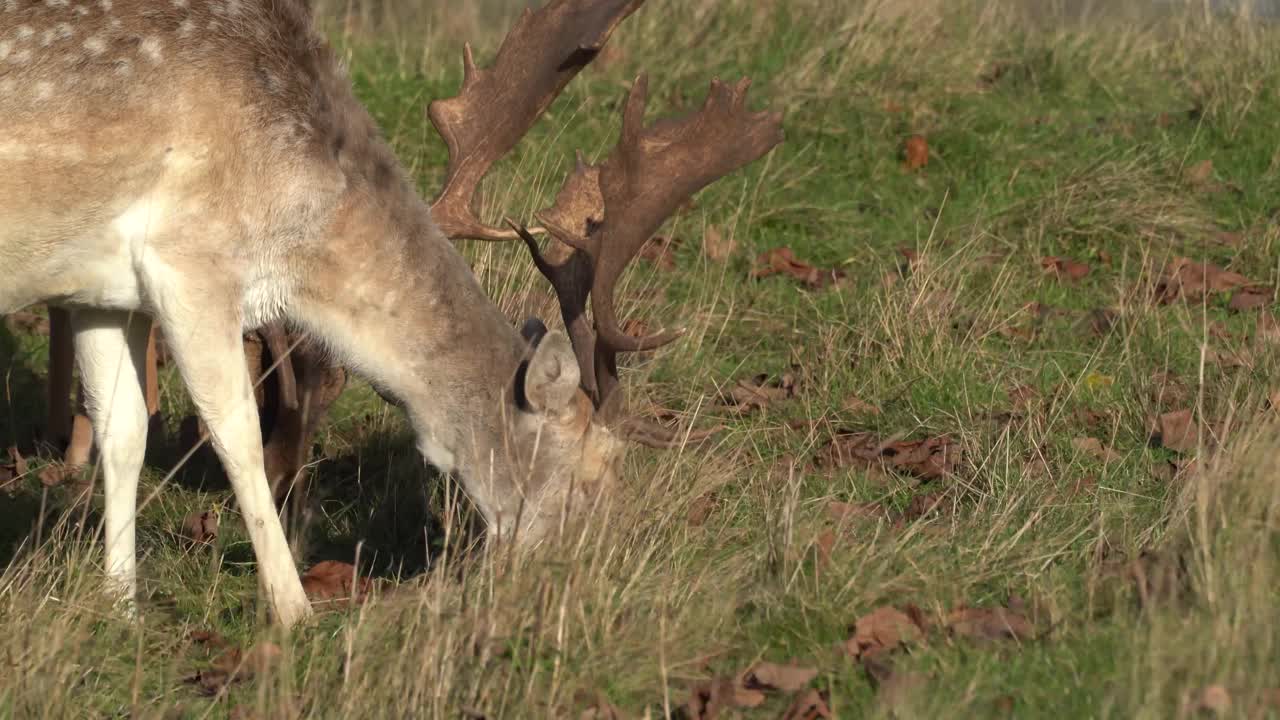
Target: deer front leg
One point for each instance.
(207, 346)
(111, 348)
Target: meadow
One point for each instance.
(992, 336)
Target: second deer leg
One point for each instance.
(111, 348)
(208, 349)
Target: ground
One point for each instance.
(1036, 319)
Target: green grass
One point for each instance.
(1065, 153)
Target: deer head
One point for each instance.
(568, 428)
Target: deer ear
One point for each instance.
(551, 378)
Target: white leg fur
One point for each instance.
(111, 348)
(206, 345)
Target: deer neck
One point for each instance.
(401, 307)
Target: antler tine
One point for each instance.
(498, 105)
(653, 170)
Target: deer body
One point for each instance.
(205, 164)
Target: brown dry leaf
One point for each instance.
(1179, 431)
(711, 697)
(808, 705)
(881, 631)
(716, 246)
(824, 544)
(1200, 173)
(1213, 699)
(783, 261)
(1252, 297)
(1168, 390)
(200, 527)
(927, 459)
(923, 505)
(917, 152)
(1022, 396)
(331, 581)
(1185, 279)
(1064, 268)
(1094, 447)
(1229, 238)
(660, 250)
(855, 404)
(700, 509)
(761, 390)
(27, 322)
(234, 666)
(11, 471)
(771, 677)
(1267, 329)
(57, 474)
(998, 623)
(843, 512)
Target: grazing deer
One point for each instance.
(206, 164)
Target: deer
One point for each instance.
(296, 385)
(204, 165)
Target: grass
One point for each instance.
(1049, 135)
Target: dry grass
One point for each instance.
(639, 603)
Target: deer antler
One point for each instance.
(603, 214)
(498, 105)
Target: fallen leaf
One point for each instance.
(1065, 268)
(855, 404)
(783, 261)
(927, 459)
(1093, 446)
(16, 468)
(57, 474)
(1192, 281)
(1168, 390)
(881, 631)
(808, 705)
(1179, 431)
(716, 246)
(923, 505)
(1229, 238)
(761, 390)
(700, 509)
(1214, 699)
(824, 544)
(843, 512)
(1200, 173)
(711, 697)
(1267, 329)
(1021, 396)
(331, 581)
(1252, 297)
(660, 250)
(917, 152)
(200, 528)
(996, 623)
(771, 677)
